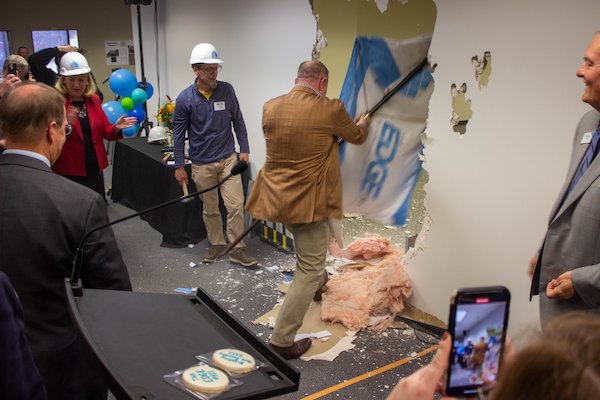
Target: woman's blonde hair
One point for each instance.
(562, 363)
(90, 90)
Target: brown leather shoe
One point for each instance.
(212, 254)
(239, 256)
(319, 293)
(294, 351)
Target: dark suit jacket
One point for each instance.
(19, 377)
(300, 181)
(572, 240)
(43, 217)
(72, 156)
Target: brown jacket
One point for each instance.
(300, 181)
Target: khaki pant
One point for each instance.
(310, 243)
(232, 192)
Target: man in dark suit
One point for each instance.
(43, 217)
(302, 172)
(19, 377)
(566, 271)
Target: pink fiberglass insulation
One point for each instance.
(373, 291)
(366, 248)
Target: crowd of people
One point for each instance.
(56, 126)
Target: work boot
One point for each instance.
(294, 351)
(212, 254)
(319, 293)
(239, 256)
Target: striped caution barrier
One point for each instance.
(276, 235)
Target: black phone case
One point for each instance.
(468, 296)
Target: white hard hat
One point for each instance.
(157, 133)
(204, 53)
(73, 63)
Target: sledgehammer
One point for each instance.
(239, 239)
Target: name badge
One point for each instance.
(220, 106)
(587, 138)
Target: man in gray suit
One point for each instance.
(43, 217)
(566, 271)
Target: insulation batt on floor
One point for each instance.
(367, 290)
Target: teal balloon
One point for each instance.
(113, 110)
(149, 88)
(139, 95)
(131, 131)
(122, 82)
(138, 113)
(127, 103)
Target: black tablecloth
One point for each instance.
(141, 180)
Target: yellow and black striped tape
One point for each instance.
(276, 235)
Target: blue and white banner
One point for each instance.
(379, 176)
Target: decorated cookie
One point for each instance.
(233, 360)
(205, 379)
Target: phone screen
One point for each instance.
(12, 69)
(478, 322)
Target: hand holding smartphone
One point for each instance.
(478, 323)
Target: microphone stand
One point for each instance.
(145, 125)
(75, 280)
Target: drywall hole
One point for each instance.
(461, 108)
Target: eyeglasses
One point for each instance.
(211, 70)
(68, 129)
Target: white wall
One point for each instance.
(489, 192)
(261, 42)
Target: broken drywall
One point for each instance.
(461, 108)
(341, 21)
(489, 193)
(406, 29)
(483, 68)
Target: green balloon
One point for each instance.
(127, 103)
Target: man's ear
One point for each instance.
(53, 132)
(323, 84)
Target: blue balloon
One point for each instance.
(113, 110)
(132, 130)
(138, 113)
(149, 89)
(122, 82)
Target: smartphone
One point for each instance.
(478, 321)
(12, 69)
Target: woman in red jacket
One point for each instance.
(83, 157)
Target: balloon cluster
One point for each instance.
(133, 94)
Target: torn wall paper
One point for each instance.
(379, 176)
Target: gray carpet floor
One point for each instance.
(247, 293)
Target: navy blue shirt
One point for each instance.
(19, 377)
(208, 125)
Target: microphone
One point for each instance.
(238, 168)
(75, 282)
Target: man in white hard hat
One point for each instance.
(206, 110)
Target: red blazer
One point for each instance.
(72, 157)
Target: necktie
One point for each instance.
(587, 158)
